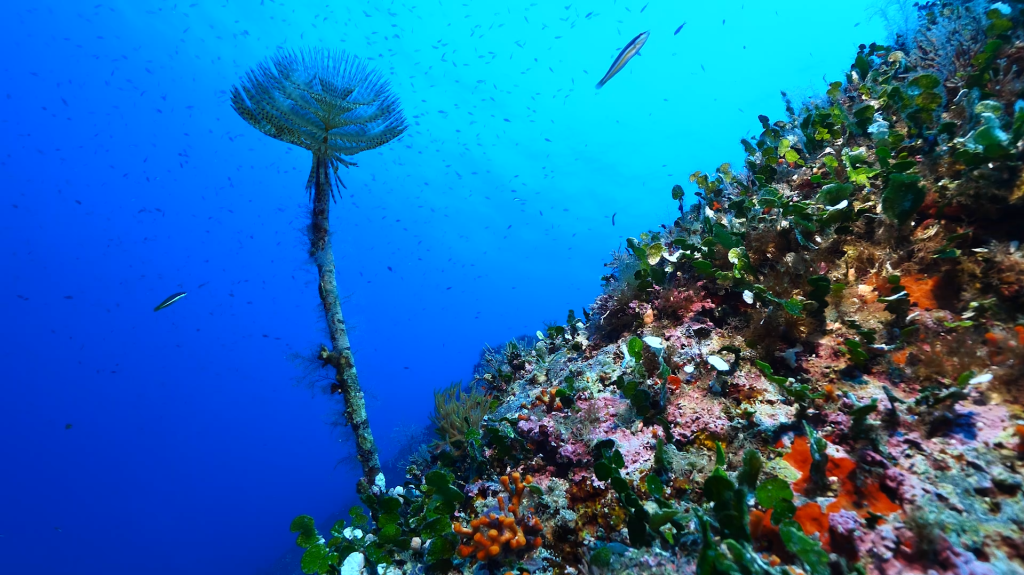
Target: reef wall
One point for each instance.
(817, 368)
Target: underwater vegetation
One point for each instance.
(458, 414)
(818, 368)
(333, 105)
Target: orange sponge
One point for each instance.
(548, 399)
(490, 534)
(861, 499)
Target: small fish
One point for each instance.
(644, 8)
(67, 426)
(613, 218)
(631, 49)
(679, 29)
(170, 299)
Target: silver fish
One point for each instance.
(170, 299)
(631, 49)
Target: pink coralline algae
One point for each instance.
(695, 414)
(843, 527)
(608, 406)
(637, 450)
(990, 421)
(892, 551)
(681, 304)
(574, 451)
(545, 432)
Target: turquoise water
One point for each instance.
(127, 177)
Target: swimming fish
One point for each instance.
(679, 28)
(631, 49)
(170, 299)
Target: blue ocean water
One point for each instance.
(180, 441)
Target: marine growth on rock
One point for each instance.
(817, 368)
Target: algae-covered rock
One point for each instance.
(817, 368)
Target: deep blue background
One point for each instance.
(125, 177)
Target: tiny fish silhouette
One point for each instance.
(679, 28)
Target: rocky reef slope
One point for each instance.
(817, 368)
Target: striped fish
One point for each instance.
(631, 49)
(170, 299)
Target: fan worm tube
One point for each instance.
(340, 357)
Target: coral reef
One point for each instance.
(816, 369)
